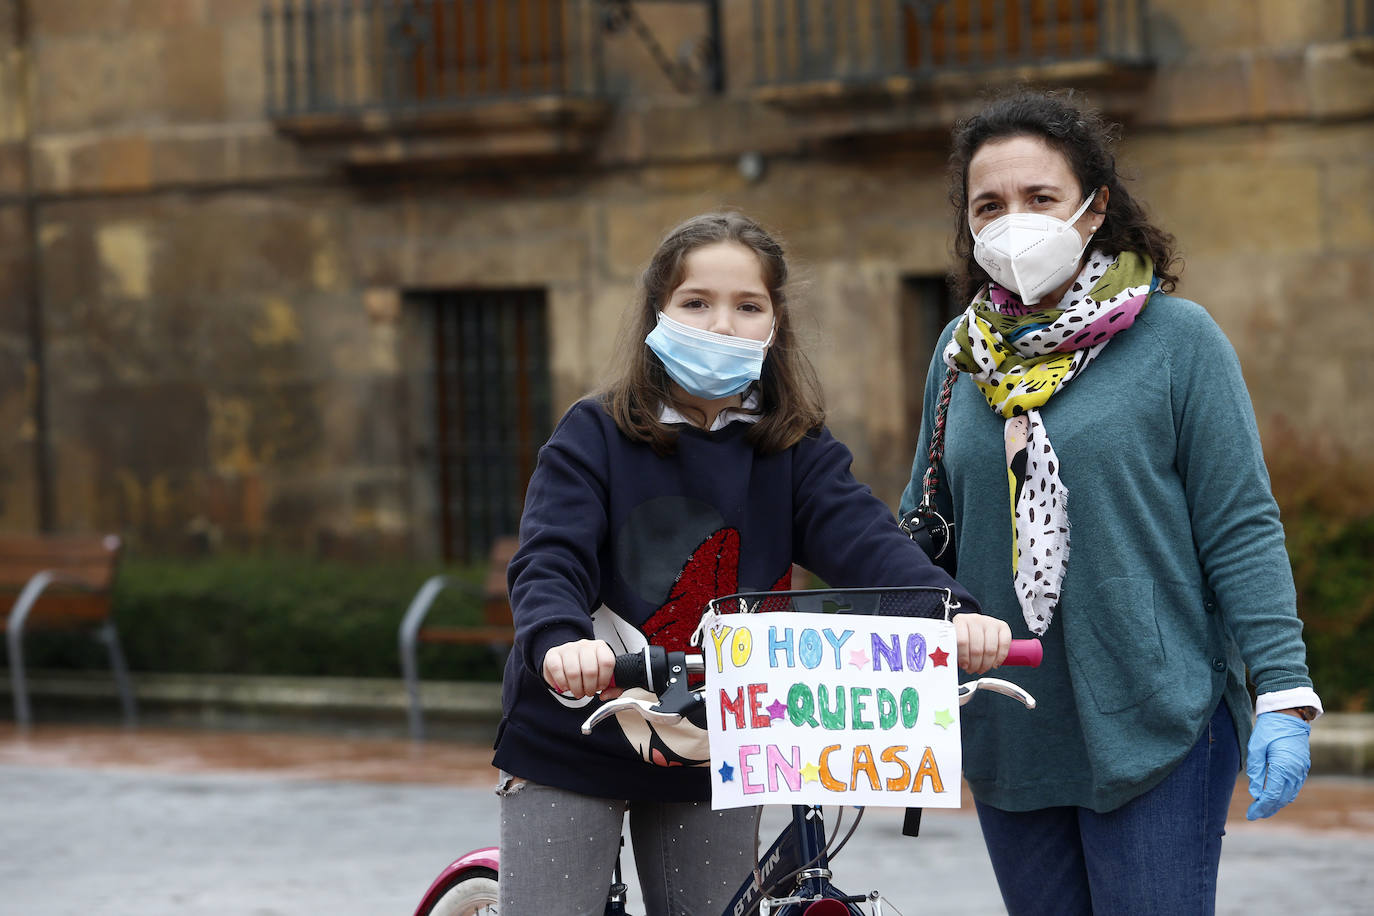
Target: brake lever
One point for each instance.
(644, 708)
(996, 685)
(676, 700)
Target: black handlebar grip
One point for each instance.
(631, 670)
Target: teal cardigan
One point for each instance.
(1177, 578)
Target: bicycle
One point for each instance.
(798, 861)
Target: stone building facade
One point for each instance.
(268, 281)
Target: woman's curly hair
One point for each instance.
(1086, 140)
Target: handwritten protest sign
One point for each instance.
(832, 709)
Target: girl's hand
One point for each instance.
(580, 668)
(983, 641)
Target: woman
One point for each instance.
(1100, 410)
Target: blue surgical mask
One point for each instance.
(704, 363)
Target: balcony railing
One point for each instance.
(858, 41)
(345, 57)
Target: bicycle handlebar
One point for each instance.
(1027, 653)
(651, 668)
(670, 676)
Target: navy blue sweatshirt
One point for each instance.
(621, 544)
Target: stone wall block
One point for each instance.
(112, 420)
(18, 485)
(229, 354)
(269, 423)
(633, 228)
(1340, 79)
(1219, 27)
(1285, 24)
(98, 80)
(125, 249)
(78, 17)
(855, 306)
(231, 508)
(231, 13)
(1207, 90)
(1349, 210)
(537, 260)
(244, 88)
(336, 336)
(1267, 312)
(376, 438)
(380, 507)
(584, 329)
(14, 167)
(16, 277)
(260, 154)
(128, 342)
(71, 269)
(118, 164)
(247, 243)
(1278, 86)
(192, 160)
(303, 510)
(721, 177)
(194, 68)
(1224, 207)
(487, 209)
(162, 157)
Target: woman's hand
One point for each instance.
(581, 668)
(983, 641)
(1277, 761)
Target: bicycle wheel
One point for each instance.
(474, 893)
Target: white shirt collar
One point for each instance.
(667, 414)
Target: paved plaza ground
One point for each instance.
(159, 822)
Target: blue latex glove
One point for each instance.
(1277, 761)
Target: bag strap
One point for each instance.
(931, 481)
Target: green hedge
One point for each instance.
(292, 616)
(279, 615)
(1326, 497)
(1333, 562)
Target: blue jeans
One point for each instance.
(1158, 853)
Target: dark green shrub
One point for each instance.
(274, 615)
(1327, 502)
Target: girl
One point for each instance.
(702, 469)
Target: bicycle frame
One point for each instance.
(797, 863)
(798, 850)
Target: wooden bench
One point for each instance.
(496, 629)
(59, 582)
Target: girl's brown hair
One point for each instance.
(1084, 139)
(790, 402)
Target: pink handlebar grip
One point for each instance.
(1026, 652)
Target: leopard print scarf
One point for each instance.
(1020, 357)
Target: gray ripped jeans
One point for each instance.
(558, 852)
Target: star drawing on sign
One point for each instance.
(859, 659)
(776, 709)
(727, 772)
(810, 773)
(939, 658)
(943, 718)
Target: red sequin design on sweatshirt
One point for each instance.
(710, 572)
